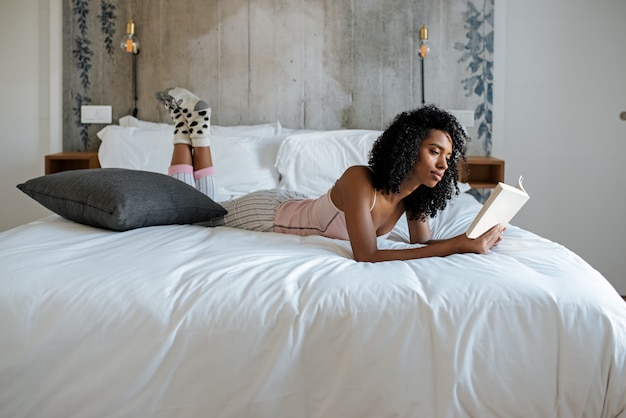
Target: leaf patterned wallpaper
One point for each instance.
(319, 64)
(477, 53)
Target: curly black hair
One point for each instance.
(396, 151)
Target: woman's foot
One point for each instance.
(181, 127)
(195, 111)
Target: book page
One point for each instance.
(501, 206)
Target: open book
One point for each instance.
(505, 201)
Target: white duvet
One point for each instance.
(186, 321)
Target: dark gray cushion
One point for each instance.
(121, 199)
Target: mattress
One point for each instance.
(189, 321)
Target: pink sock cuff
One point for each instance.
(180, 168)
(204, 172)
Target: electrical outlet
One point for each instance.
(465, 117)
(95, 114)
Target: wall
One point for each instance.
(25, 107)
(317, 64)
(561, 93)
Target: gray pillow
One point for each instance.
(121, 199)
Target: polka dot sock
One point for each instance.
(196, 112)
(200, 127)
(181, 127)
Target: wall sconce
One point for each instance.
(130, 45)
(424, 49)
(423, 52)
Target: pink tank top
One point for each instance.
(312, 217)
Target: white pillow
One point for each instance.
(147, 149)
(292, 131)
(132, 122)
(242, 163)
(311, 163)
(262, 129)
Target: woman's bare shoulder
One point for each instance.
(355, 181)
(356, 176)
(358, 171)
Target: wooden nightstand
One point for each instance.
(63, 161)
(482, 172)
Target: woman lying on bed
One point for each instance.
(412, 169)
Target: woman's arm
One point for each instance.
(439, 248)
(419, 233)
(354, 191)
(353, 194)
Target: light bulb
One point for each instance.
(423, 48)
(130, 43)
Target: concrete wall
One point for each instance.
(310, 64)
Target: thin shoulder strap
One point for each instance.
(373, 201)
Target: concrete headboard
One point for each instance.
(315, 64)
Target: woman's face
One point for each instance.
(432, 159)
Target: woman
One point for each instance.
(412, 170)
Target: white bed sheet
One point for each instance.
(189, 321)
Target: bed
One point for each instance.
(190, 321)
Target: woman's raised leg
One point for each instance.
(192, 118)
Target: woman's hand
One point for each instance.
(482, 244)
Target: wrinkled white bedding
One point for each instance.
(189, 321)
